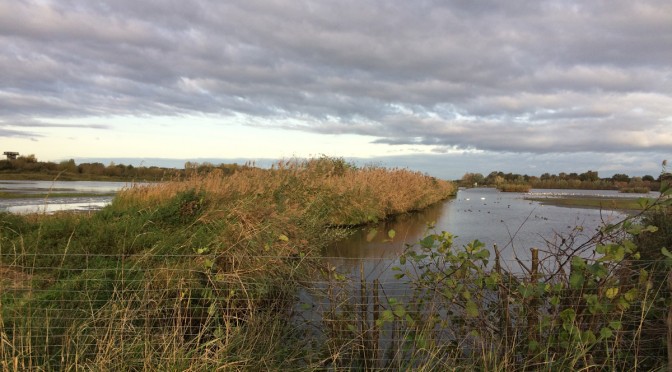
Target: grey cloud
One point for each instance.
(12, 126)
(4, 132)
(500, 76)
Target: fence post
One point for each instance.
(532, 310)
(364, 306)
(504, 328)
(376, 315)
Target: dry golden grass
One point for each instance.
(355, 196)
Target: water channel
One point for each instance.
(99, 195)
(509, 220)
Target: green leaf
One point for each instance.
(615, 324)
(651, 229)
(283, 237)
(643, 276)
(385, 316)
(427, 242)
(666, 253)
(472, 309)
(208, 263)
(588, 337)
(631, 295)
(568, 316)
(371, 235)
(532, 345)
(576, 280)
(391, 234)
(399, 311)
(643, 202)
(612, 293)
(665, 188)
(402, 260)
(578, 263)
(606, 332)
(526, 290)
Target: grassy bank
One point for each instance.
(629, 204)
(193, 274)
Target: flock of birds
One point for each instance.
(497, 201)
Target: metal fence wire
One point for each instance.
(123, 313)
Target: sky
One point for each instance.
(442, 87)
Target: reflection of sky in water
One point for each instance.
(22, 206)
(62, 186)
(493, 217)
(54, 203)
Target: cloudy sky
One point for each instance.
(443, 87)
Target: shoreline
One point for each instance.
(628, 205)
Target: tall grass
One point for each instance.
(195, 273)
(514, 187)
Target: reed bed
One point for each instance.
(514, 187)
(354, 196)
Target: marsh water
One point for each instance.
(508, 220)
(99, 195)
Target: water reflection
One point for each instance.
(55, 202)
(493, 217)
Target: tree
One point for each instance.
(619, 177)
(589, 176)
(68, 166)
(472, 179)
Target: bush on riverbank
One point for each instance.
(198, 273)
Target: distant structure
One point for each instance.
(11, 155)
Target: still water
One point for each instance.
(508, 220)
(54, 202)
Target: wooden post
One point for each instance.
(504, 320)
(532, 311)
(376, 315)
(364, 306)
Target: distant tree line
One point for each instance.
(29, 165)
(588, 180)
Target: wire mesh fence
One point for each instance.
(202, 311)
